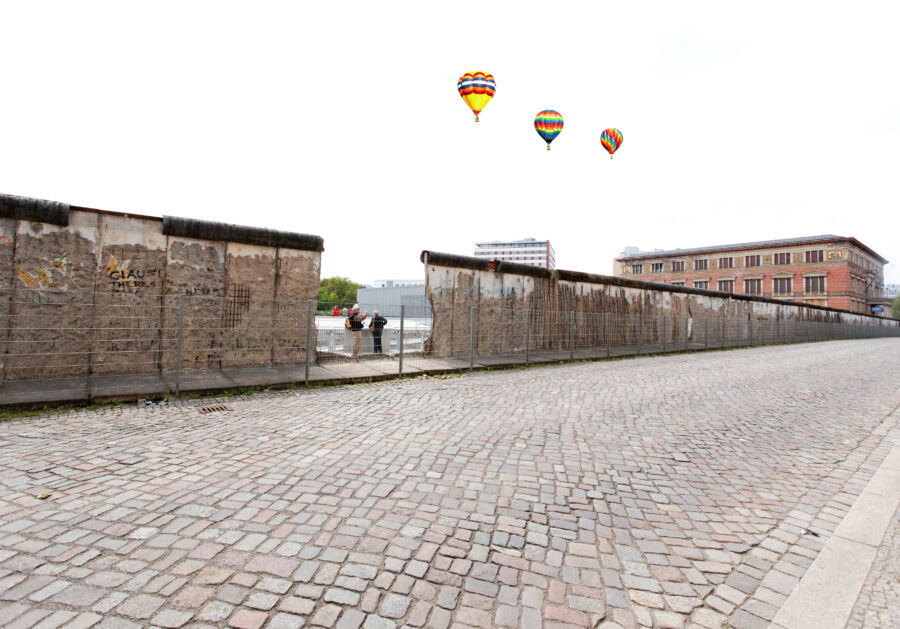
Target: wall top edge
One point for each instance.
(478, 264)
(208, 230)
(56, 213)
(465, 262)
(38, 210)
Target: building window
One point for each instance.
(815, 283)
(726, 263)
(678, 283)
(726, 286)
(815, 256)
(678, 266)
(751, 261)
(782, 285)
(701, 265)
(637, 268)
(753, 287)
(701, 283)
(656, 267)
(782, 258)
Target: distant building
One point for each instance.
(835, 271)
(526, 251)
(390, 283)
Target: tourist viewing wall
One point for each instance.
(86, 291)
(502, 293)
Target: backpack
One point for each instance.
(347, 323)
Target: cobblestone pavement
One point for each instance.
(879, 602)
(658, 491)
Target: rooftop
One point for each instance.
(628, 255)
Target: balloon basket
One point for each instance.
(476, 118)
(548, 148)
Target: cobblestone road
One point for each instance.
(659, 491)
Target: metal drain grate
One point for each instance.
(214, 409)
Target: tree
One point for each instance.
(895, 308)
(337, 291)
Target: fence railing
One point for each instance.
(110, 343)
(474, 332)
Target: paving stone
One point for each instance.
(215, 611)
(286, 621)
(393, 605)
(141, 606)
(172, 618)
(326, 616)
(377, 622)
(351, 619)
(246, 619)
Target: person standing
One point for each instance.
(376, 325)
(356, 327)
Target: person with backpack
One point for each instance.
(376, 325)
(355, 324)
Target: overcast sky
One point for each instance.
(342, 119)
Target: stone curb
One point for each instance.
(826, 594)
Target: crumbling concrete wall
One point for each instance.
(503, 293)
(91, 292)
(128, 301)
(51, 311)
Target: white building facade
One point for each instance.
(527, 251)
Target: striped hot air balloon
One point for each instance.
(611, 141)
(477, 89)
(548, 124)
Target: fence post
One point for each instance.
(723, 332)
(527, 335)
(762, 332)
(400, 356)
(750, 321)
(572, 335)
(608, 332)
(638, 334)
(471, 338)
(706, 333)
(687, 323)
(664, 335)
(180, 344)
(308, 334)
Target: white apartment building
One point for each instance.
(526, 251)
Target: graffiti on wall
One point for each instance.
(41, 277)
(124, 278)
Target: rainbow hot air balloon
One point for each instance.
(477, 89)
(611, 141)
(548, 124)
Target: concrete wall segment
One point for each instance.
(128, 301)
(99, 292)
(502, 295)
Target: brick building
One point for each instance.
(835, 271)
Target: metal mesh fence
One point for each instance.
(126, 343)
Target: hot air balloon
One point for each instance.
(477, 89)
(548, 124)
(611, 141)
